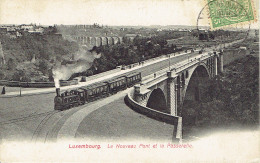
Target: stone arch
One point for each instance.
(157, 101)
(189, 107)
(131, 39)
(87, 40)
(84, 40)
(93, 41)
(116, 40)
(104, 41)
(98, 41)
(110, 40)
(201, 71)
(120, 40)
(81, 39)
(113, 41)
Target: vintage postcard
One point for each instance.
(129, 81)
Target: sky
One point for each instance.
(107, 12)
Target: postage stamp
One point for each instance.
(230, 12)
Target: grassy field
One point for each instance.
(116, 121)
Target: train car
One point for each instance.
(132, 79)
(96, 91)
(117, 84)
(82, 96)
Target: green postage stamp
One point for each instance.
(229, 12)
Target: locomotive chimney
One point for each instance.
(58, 91)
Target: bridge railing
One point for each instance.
(104, 73)
(187, 63)
(156, 79)
(156, 58)
(154, 75)
(178, 67)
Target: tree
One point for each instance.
(50, 75)
(211, 36)
(21, 76)
(2, 75)
(10, 64)
(43, 66)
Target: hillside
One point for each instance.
(232, 99)
(31, 57)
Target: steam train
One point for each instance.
(80, 96)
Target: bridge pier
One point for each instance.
(221, 61)
(140, 97)
(177, 131)
(215, 65)
(137, 96)
(171, 93)
(179, 95)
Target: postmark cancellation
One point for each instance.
(229, 13)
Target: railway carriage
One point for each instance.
(82, 96)
(117, 84)
(96, 91)
(132, 79)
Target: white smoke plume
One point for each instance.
(83, 60)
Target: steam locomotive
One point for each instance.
(80, 96)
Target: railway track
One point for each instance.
(25, 118)
(40, 128)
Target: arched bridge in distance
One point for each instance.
(98, 41)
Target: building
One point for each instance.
(26, 27)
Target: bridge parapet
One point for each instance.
(176, 68)
(154, 78)
(160, 116)
(191, 61)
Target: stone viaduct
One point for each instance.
(167, 91)
(162, 94)
(98, 41)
